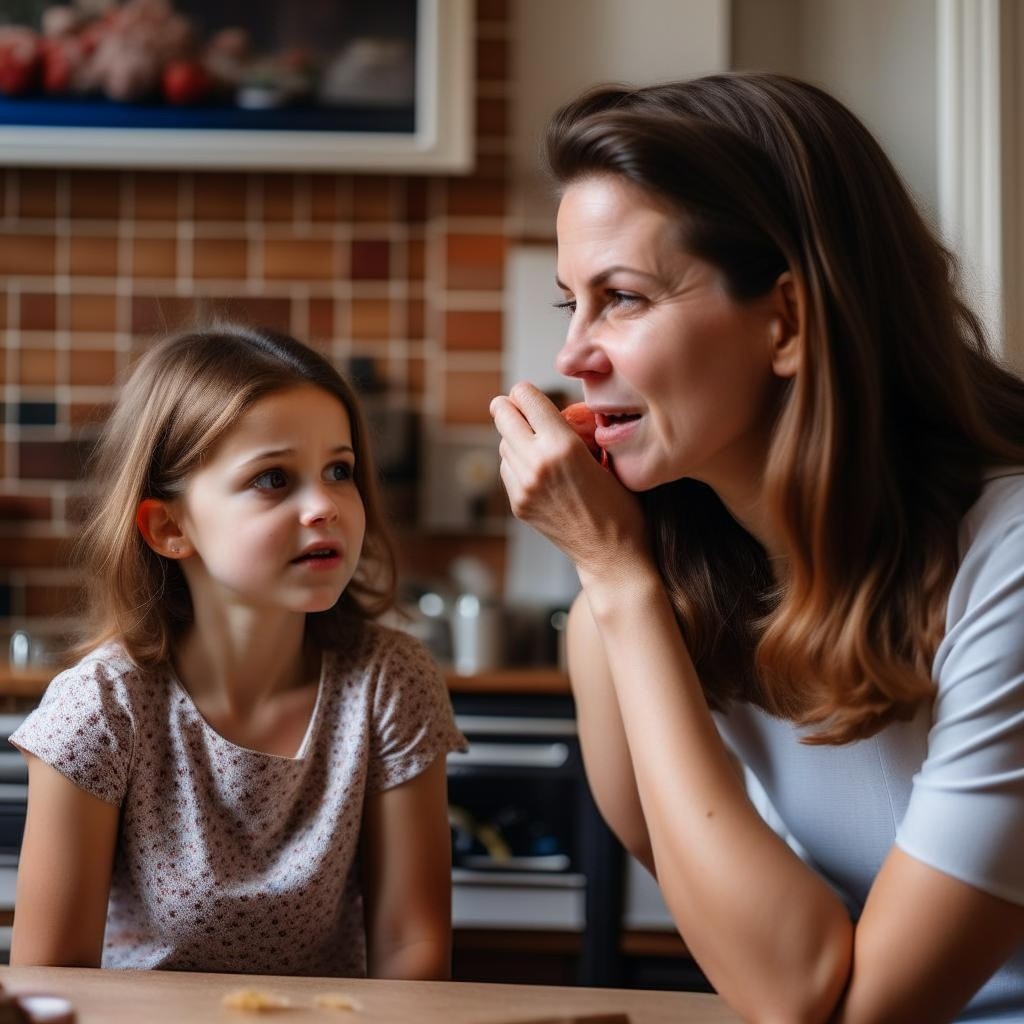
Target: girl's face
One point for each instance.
(679, 374)
(273, 517)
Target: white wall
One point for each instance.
(877, 56)
(561, 47)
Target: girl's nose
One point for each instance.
(582, 355)
(318, 507)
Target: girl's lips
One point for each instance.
(317, 561)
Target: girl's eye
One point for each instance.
(271, 480)
(339, 471)
(568, 306)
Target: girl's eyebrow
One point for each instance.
(603, 275)
(276, 453)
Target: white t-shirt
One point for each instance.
(946, 787)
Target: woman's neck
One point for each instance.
(739, 484)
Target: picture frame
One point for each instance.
(441, 140)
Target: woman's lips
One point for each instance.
(612, 430)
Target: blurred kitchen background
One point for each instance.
(426, 273)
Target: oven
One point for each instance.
(529, 849)
(13, 798)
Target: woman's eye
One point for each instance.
(339, 471)
(624, 299)
(271, 480)
(568, 306)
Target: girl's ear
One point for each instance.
(160, 530)
(786, 327)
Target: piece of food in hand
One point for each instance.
(254, 1000)
(582, 420)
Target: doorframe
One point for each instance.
(981, 159)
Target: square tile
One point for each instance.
(220, 258)
(154, 257)
(27, 254)
(92, 255)
(37, 311)
(473, 330)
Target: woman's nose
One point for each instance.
(582, 355)
(318, 507)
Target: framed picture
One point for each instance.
(238, 84)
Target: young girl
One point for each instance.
(244, 772)
(810, 552)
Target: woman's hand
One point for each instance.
(555, 485)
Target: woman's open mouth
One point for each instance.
(613, 428)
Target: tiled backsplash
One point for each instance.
(403, 271)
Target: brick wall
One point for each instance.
(405, 271)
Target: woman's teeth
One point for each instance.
(608, 419)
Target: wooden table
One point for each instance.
(31, 681)
(169, 997)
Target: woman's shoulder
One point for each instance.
(996, 514)
(990, 577)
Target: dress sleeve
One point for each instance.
(966, 810)
(83, 728)
(413, 722)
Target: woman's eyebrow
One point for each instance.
(603, 275)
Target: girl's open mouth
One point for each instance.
(319, 558)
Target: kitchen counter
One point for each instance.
(163, 997)
(30, 682)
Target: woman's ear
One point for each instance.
(160, 530)
(786, 326)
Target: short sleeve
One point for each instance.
(413, 722)
(966, 810)
(83, 728)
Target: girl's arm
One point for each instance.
(63, 873)
(407, 878)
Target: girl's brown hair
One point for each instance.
(184, 394)
(881, 440)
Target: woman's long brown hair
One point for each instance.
(182, 397)
(880, 442)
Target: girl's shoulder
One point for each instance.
(373, 647)
(108, 667)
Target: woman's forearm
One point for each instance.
(606, 756)
(771, 935)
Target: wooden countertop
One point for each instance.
(169, 997)
(30, 682)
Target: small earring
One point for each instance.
(173, 548)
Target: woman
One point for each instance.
(809, 554)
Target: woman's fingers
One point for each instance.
(509, 421)
(537, 409)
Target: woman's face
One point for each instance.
(679, 374)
